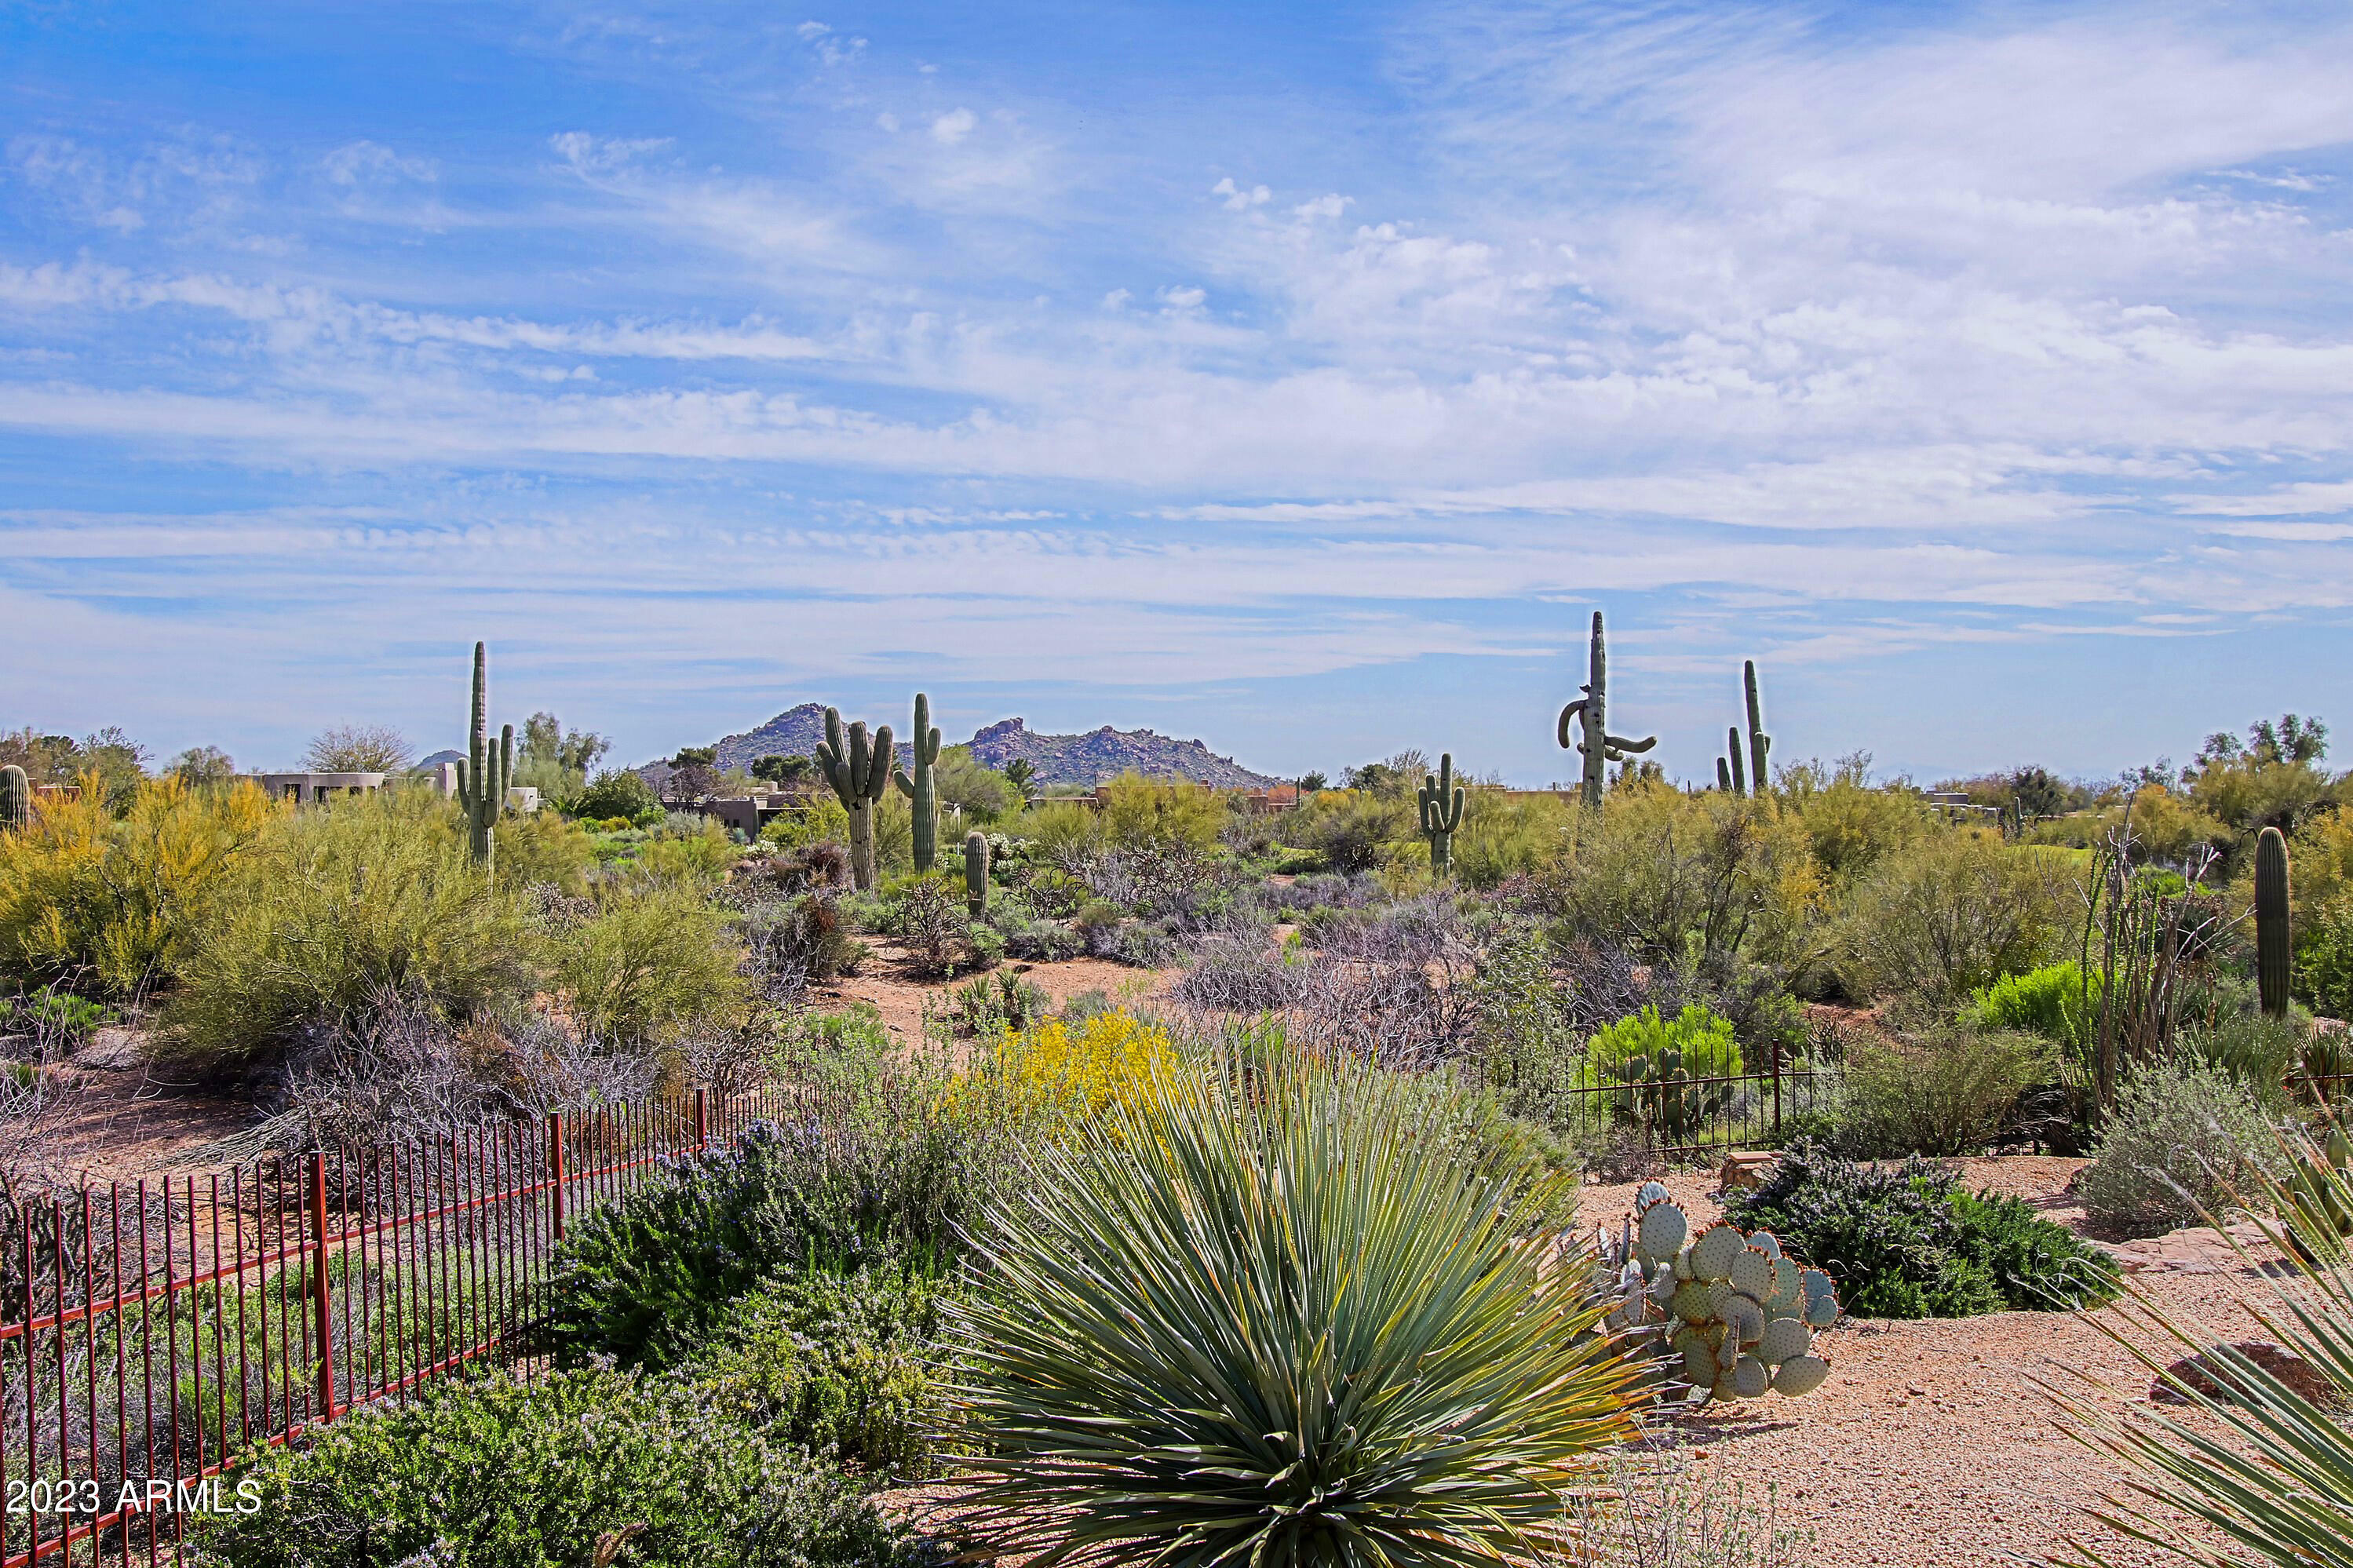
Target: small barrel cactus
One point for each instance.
(16, 798)
(1727, 1312)
(975, 874)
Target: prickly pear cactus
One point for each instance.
(1658, 1095)
(1726, 1313)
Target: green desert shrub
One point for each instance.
(2324, 960)
(1946, 917)
(547, 847)
(590, 1467)
(849, 1366)
(644, 1279)
(618, 792)
(1665, 874)
(1504, 835)
(1162, 813)
(2185, 1135)
(1908, 1241)
(1351, 830)
(1703, 1039)
(1950, 1089)
(1850, 824)
(649, 957)
(112, 905)
(2054, 1002)
(1377, 1295)
(326, 911)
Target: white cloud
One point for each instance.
(954, 126)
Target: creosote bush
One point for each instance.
(328, 910)
(1952, 1089)
(1944, 917)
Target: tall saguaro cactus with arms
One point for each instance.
(483, 776)
(922, 790)
(1591, 712)
(859, 773)
(1442, 813)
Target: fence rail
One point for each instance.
(152, 1333)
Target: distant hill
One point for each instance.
(1088, 760)
(426, 764)
(794, 732)
(1104, 754)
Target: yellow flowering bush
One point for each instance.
(1054, 1076)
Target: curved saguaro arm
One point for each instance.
(859, 771)
(1591, 714)
(1440, 801)
(482, 777)
(922, 790)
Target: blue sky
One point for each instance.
(1296, 377)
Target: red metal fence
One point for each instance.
(150, 1333)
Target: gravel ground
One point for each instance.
(1931, 1444)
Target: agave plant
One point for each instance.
(1271, 1317)
(2267, 1469)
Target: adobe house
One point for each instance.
(313, 789)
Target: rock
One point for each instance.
(2208, 1376)
(1746, 1169)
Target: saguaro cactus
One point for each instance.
(858, 774)
(922, 790)
(2272, 951)
(16, 798)
(1739, 776)
(1442, 813)
(1592, 711)
(483, 776)
(1723, 775)
(1759, 743)
(975, 874)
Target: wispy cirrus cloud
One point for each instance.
(1814, 331)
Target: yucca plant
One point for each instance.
(2266, 1469)
(1282, 1315)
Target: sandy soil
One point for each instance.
(1932, 1443)
(115, 1117)
(901, 998)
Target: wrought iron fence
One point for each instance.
(1731, 1112)
(152, 1333)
